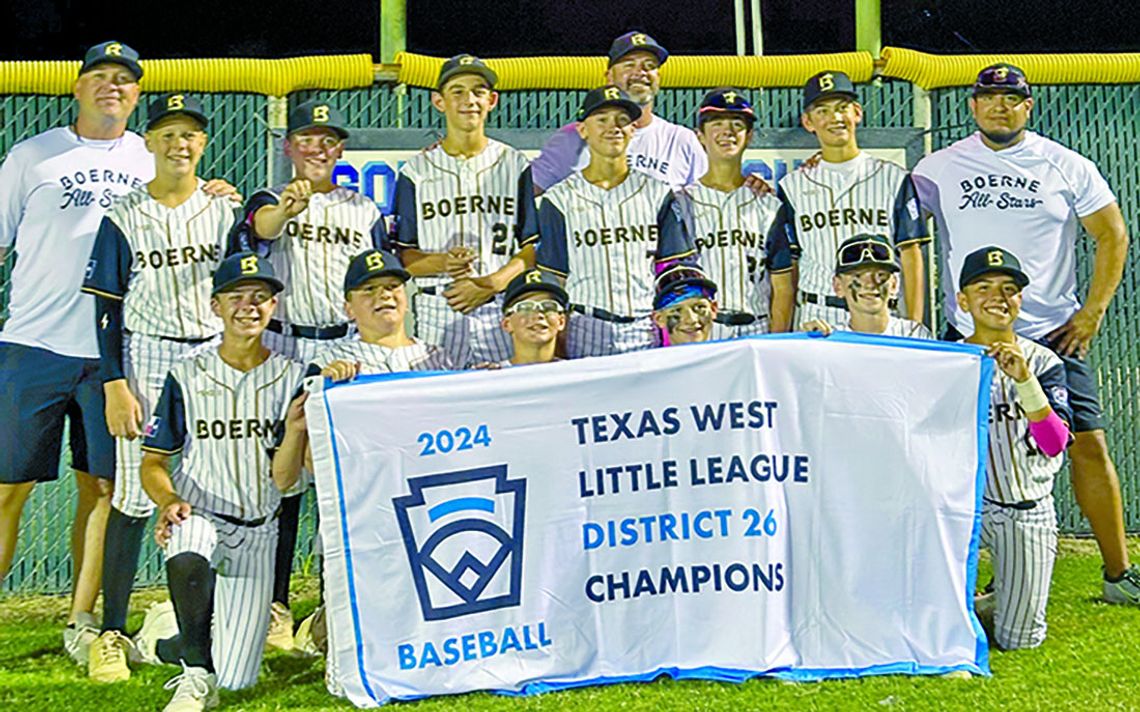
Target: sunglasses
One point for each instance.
(530, 306)
(866, 251)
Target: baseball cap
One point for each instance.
(988, 260)
(636, 42)
(465, 64)
(1002, 77)
(609, 95)
(244, 267)
(373, 263)
(826, 85)
(535, 280)
(172, 105)
(316, 114)
(727, 100)
(865, 250)
(682, 282)
(114, 52)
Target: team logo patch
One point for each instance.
(1059, 395)
(463, 533)
(152, 426)
(91, 266)
(912, 208)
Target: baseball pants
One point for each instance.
(469, 339)
(587, 335)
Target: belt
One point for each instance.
(321, 333)
(248, 522)
(735, 318)
(1020, 506)
(835, 302)
(434, 291)
(175, 339)
(603, 314)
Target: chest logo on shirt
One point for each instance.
(735, 237)
(95, 187)
(177, 256)
(234, 428)
(845, 217)
(647, 164)
(468, 205)
(325, 234)
(986, 191)
(615, 236)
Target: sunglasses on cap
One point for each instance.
(866, 252)
(530, 306)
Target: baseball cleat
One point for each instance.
(280, 635)
(311, 638)
(78, 637)
(1126, 589)
(195, 690)
(160, 623)
(107, 660)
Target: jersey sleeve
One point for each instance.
(553, 254)
(777, 248)
(1056, 388)
(242, 236)
(405, 216)
(926, 187)
(697, 159)
(11, 197)
(526, 229)
(909, 226)
(786, 221)
(675, 228)
(1091, 190)
(379, 232)
(165, 433)
(558, 157)
(109, 267)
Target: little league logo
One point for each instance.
(463, 532)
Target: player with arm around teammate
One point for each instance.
(866, 279)
(150, 272)
(606, 230)
(741, 240)
(685, 305)
(465, 219)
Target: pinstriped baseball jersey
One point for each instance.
(374, 358)
(159, 261)
(734, 235)
(1017, 470)
(313, 251)
(605, 242)
(831, 202)
(223, 421)
(485, 202)
(896, 326)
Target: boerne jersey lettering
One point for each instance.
(485, 202)
(159, 261)
(605, 243)
(223, 422)
(739, 242)
(1017, 470)
(54, 190)
(313, 251)
(828, 203)
(1027, 199)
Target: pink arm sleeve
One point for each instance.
(1051, 434)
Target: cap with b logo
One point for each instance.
(990, 260)
(535, 280)
(636, 42)
(373, 263)
(727, 100)
(114, 52)
(465, 64)
(866, 250)
(609, 95)
(244, 267)
(826, 85)
(682, 282)
(1002, 77)
(316, 115)
(174, 105)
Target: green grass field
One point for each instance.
(1091, 661)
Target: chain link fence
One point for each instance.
(1097, 121)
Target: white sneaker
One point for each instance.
(78, 637)
(280, 635)
(195, 690)
(310, 638)
(160, 623)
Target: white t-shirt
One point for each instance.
(54, 190)
(1027, 199)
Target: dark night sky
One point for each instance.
(60, 29)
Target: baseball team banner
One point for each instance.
(784, 505)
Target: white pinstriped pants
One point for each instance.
(1023, 545)
(587, 335)
(469, 339)
(243, 559)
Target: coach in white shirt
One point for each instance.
(1013, 188)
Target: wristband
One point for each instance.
(1031, 395)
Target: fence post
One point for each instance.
(277, 116)
(868, 26)
(924, 119)
(393, 29)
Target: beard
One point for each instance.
(1003, 138)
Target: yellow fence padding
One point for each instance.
(931, 71)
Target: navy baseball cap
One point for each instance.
(826, 85)
(316, 114)
(988, 260)
(114, 52)
(636, 42)
(1002, 77)
(465, 64)
(244, 267)
(535, 280)
(866, 250)
(682, 282)
(727, 100)
(173, 105)
(373, 263)
(609, 95)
